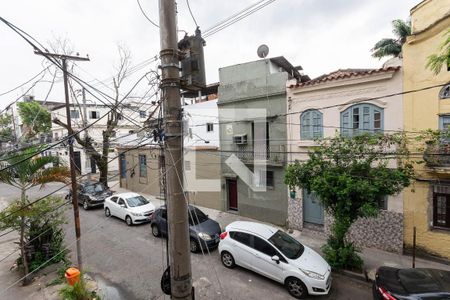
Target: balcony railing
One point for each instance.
(275, 154)
(437, 155)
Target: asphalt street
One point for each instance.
(128, 262)
(131, 261)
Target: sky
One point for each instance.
(320, 35)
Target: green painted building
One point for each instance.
(253, 130)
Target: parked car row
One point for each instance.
(263, 249)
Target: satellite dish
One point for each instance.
(262, 51)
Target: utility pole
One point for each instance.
(73, 176)
(179, 254)
(87, 157)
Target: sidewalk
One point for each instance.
(373, 258)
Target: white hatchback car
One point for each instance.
(276, 255)
(131, 207)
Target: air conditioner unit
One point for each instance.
(240, 139)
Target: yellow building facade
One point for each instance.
(427, 203)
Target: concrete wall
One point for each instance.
(206, 165)
(133, 182)
(431, 19)
(197, 116)
(245, 91)
(203, 177)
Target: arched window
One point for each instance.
(445, 92)
(361, 118)
(311, 126)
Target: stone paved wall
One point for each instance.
(384, 232)
(295, 213)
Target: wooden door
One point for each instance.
(232, 194)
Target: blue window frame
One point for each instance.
(444, 122)
(362, 118)
(142, 165)
(311, 125)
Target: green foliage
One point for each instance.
(36, 117)
(350, 175)
(6, 130)
(31, 172)
(78, 291)
(436, 61)
(393, 47)
(43, 235)
(342, 256)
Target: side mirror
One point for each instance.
(276, 259)
(123, 205)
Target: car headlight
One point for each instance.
(204, 236)
(312, 274)
(136, 214)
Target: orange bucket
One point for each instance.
(72, 276)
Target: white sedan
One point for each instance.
(276, 255)
(131, 207)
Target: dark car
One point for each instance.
(91, 194)
(412, 284)
(204, 232)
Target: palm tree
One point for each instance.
(436, 61)
(393, 47)
(23, 173)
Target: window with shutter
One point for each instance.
(361, 118)
(311, 125)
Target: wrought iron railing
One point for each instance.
(275, 154)
(437, 155)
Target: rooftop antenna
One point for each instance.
(263, 51)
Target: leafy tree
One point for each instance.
(436, 61)
(35, 117)
(24, 174)
(6, 131)
(43, 235)
(393, 47)
(350, 176)
(101, 156)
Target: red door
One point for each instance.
(232, 194)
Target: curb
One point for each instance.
(357, 276)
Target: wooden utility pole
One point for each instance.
(179, 254)
(73, 176)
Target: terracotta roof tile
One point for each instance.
(342, 74)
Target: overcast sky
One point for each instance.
(319, 35)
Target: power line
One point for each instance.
(145, 15)
(372, 98)
(66, 185)
(21, 85)
(190, 11)
(239, 16)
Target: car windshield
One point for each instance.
(287, 245)
(94, 188)
(196, 216)
(137, 201)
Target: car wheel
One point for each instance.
(128, 220)
(296, 288)
(155, 231)
(193, 246)
(227, 259)
(85, 205)
(107, 212)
